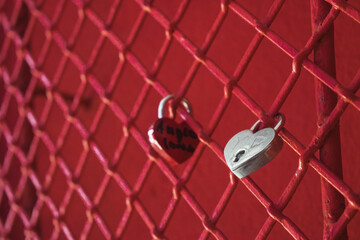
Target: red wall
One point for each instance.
(262, 80)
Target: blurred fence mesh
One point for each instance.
(71, 143)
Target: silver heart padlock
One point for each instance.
(247, 151)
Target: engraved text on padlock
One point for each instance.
(174, 141)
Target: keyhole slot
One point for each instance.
(239, 155)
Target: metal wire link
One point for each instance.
(15, 96)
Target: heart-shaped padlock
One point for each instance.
(247, 151)
(175, 142)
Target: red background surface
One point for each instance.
(262, 80)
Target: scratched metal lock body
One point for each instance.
(247, 151)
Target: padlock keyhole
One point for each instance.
(239, 155)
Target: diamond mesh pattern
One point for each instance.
(44, 107)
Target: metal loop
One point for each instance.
(255, 125)
(277, 126)
(163, 102)
(279, 123)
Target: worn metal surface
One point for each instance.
(248, 151)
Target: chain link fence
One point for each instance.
(80, 85)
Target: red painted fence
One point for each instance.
(80, 85)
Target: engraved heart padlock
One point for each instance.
(248, 151)
(175, 142)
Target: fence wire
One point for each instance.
(24, 83)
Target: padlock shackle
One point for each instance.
(277, 126)
(279, 123)
(163, 102)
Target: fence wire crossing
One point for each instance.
(23, 76)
